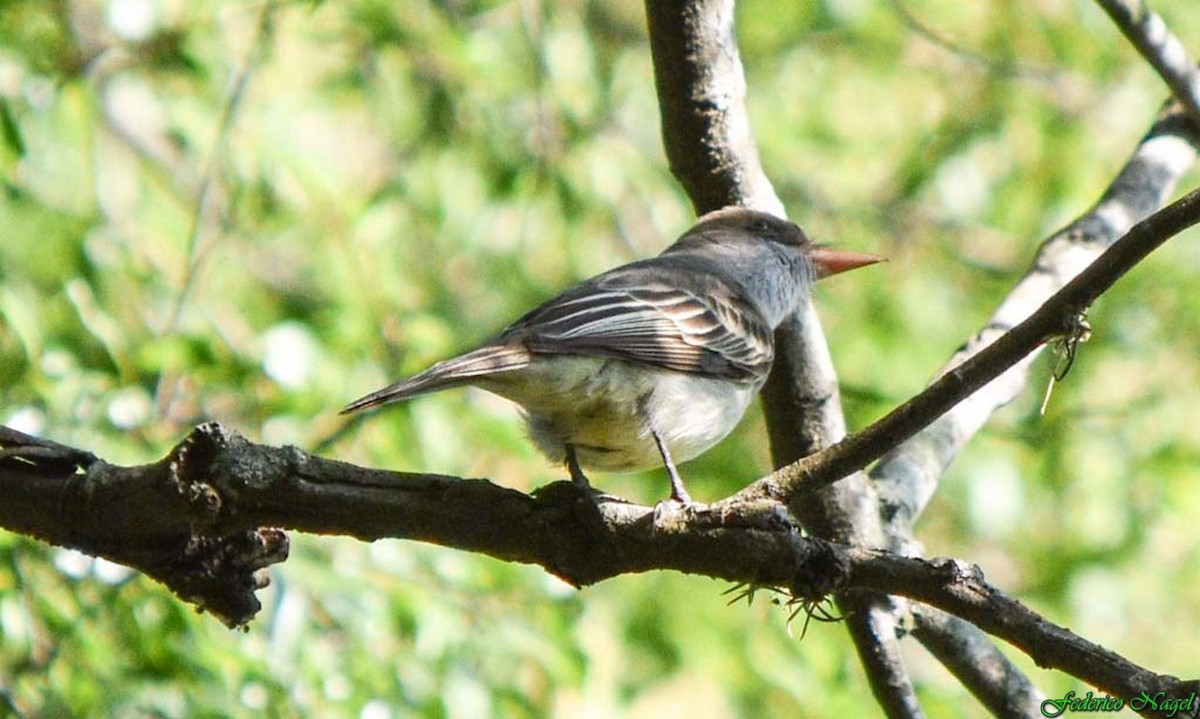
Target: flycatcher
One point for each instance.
(654, 361)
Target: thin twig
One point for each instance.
(1003, 67)
(204, 195)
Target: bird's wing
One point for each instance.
(704, 328)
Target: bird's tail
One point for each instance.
(460, 370)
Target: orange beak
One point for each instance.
(829, 261)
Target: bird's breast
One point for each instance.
(606, 409)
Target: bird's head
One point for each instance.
(743, 222)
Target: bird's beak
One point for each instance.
(829, 261)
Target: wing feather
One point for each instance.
(687, 326)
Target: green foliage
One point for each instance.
(207, 212)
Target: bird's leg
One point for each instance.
(678, 493)
(575, 470)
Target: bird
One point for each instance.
(655, 361)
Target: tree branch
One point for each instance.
(220, 493)
(1051, 320)
(871, 619)
(908, 475)
(1148, 32)
(701, 96)
(976, 662)
(712, 152)
(202, 520)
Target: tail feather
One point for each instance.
(453, 372)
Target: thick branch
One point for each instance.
(711, 150)
(701, 96)
(216, 488)
(143, 517)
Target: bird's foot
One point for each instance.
(678, 493)
(576, 472)
(673, 511)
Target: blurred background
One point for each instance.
(255, 212)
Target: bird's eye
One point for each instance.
(762, 226)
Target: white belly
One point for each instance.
(606, 410)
